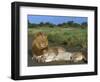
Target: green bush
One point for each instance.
(71, 38)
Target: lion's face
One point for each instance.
(41, 40)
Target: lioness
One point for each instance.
(51, 54)
(56, 54)
(78, 56)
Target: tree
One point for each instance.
(29, 24)
(65, 25)
(41, 24)
(84, 24)
(76, 25)
(47, 24)
(70, 23)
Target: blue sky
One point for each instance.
(55, 19)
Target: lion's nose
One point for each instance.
(42, 45)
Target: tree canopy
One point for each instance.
(64, 25)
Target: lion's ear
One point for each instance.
(46, 36)
(40, 34)
(43, 33)
(37, 34)
(34, 36)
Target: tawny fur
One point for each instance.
(78, 56)
(39, 43)
(56, 54)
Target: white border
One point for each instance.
(38, 70)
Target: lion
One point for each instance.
(39, 43)
(40, 50)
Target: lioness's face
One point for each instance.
(42, 41)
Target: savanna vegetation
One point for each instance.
(69, 35)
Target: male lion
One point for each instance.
(39, 45)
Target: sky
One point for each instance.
(55, 19)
